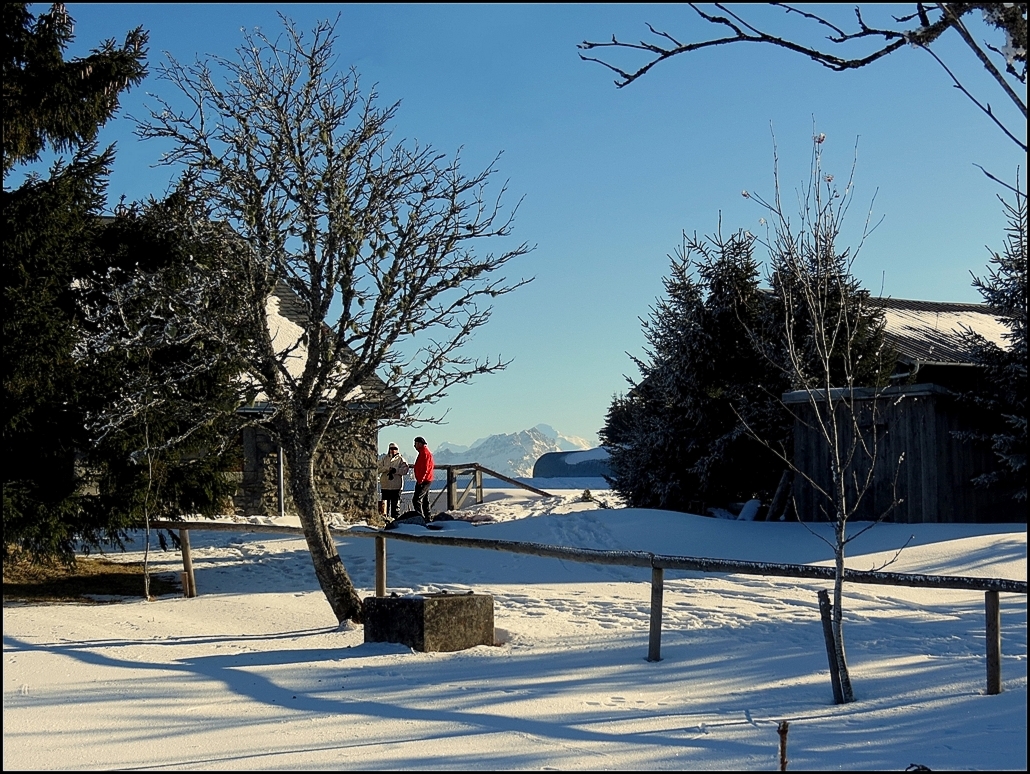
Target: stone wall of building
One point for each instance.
(345, 471)
(258, 489)
(345, 474)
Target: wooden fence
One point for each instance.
(475, 471)
(658, 563)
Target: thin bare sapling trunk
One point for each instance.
(831, 348)
(146, 507)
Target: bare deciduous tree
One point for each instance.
(850, 49)
(377, 239)
(833, 353)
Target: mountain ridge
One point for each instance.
(510, 454)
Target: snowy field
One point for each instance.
(253, 674)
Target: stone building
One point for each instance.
(345, 465)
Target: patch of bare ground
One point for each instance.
(89, 580)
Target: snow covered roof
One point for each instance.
(932, 331)
(287, 318)
(285, 328)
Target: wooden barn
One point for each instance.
(915, 423)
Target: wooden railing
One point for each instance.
(476, 471)
(658, 564)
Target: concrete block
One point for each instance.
(431, 622)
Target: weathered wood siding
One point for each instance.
(933, 479)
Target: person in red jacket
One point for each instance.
(423, 479)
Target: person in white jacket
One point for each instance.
(392, 469)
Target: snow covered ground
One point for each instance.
(253, 674)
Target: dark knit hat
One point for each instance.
(421, 440)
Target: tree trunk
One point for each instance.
(847, 693)
(332, 575)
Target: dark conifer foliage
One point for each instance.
(161, 318)
(677, 439)
(49, 227)
(705, 425)
(836, 331)
(1003, 393)
(53, 103)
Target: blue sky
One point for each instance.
(610, 178)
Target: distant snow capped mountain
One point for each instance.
(446, 446)
(512, 454)
(565, 442)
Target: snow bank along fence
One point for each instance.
(658, 563)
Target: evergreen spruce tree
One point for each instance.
(162, 319)
(1003, 392)
(648, 432)
(811, 291)
(49, 225)
(704, 424)
(677, 439)
(54, 104)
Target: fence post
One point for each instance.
(654, 642)
(380, 566)
(993, 609)
(479, 485)
(826, 613)
(190, 582)
(281, 484)
(452, 489)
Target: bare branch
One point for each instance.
(956, 22)
(985, 108)
(916, 29)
